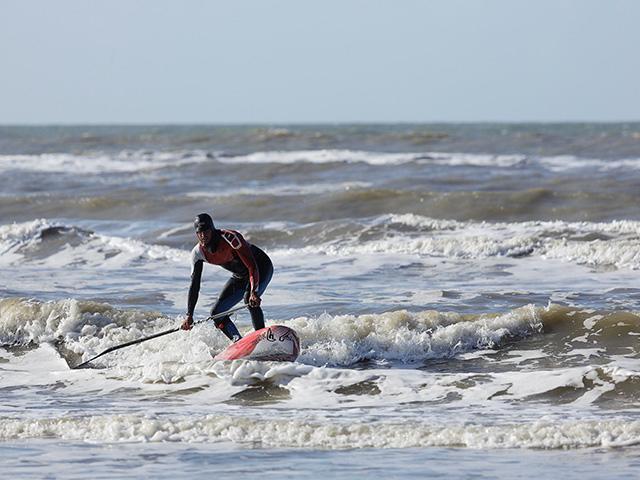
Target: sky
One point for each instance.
(329, 61)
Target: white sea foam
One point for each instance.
(474, 160)
(17, 235)
(324, 156)
(24, 321)
(123, 162)
(582, 243)
(95, 250)
(622, 227)
(565, 241)
(88, 328)
(335, 341)
(273, 433)
(555, 163)
(128, 161)
(379, 158)
(183, 366)
(569, 162)
(406, 337)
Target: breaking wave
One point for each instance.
(258, 433)
(605, 244)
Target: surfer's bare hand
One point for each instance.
(188, 323)
(254, 300)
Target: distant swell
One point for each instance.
(97, 163)
(131, 161)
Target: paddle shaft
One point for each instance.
(156, 335)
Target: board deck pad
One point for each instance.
(276, 343)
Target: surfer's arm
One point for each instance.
(194, 288)
(245, 254)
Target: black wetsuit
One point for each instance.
(251, 267)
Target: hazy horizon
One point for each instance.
(318, 124)
(339, 62)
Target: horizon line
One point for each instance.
(318, 123)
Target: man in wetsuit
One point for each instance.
(251, 267)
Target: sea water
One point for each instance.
(467, 298)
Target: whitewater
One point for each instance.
(467, 299)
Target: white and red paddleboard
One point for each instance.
(276, 343)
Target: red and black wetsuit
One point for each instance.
(251, 267)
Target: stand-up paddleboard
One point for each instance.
(276, 343)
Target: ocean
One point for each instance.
(467, 298)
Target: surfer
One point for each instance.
(251, 267)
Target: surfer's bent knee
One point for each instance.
(221, 322)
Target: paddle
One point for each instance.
(156, 335)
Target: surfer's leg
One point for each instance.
(257, 317)
(229, 329)
(231, 294)
(265, 267)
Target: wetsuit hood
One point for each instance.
(203, 222)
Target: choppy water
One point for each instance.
(467, 297)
